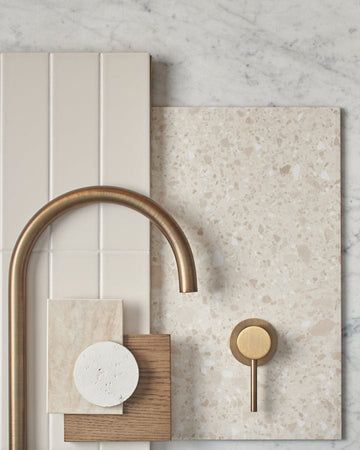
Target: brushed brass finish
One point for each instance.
(247, 323)
(253, 386)
(18, 273)
(253, 342)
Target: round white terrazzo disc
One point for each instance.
(106, 373)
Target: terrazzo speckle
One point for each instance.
(226, 53)
(257, 191)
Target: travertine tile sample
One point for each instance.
(73, 325)
(257, 191)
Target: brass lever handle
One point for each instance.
(253, 385)
(253, 342)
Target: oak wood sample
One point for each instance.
(147, 414)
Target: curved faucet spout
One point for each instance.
(18, 271)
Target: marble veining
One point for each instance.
(258, 193)
(221, 53)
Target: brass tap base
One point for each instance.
(242, 355)
(253, 342)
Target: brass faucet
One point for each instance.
(18, 272)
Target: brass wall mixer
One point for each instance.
(18, 272)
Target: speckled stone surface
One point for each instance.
(257, 191)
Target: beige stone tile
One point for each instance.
(257, 191)
(73, 325)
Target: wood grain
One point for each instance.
(147, 414)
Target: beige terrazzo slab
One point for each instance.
(257, 191)
(73, 325)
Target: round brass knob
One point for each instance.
(254, 342)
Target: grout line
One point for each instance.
(2, 144)
(81, 251)
(4, 307)
(100, 179)
(50, 167)
(51, 131)
(101, 143)
(100, 168)
(50, 182)
(3, 312)
(3, 302)
(4, 359)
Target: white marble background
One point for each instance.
(244, 53)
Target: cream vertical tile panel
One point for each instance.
(24, 182)
(74, 143)
(72, 275)
(125, 155)
(27, 115)
(125, 81)
(36, 348)
(3, 298)
(127, 276)
(24, 140)
(38, 419)
(4, 398)
(74, 150)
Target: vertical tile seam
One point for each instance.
(1, 148)
(3, 424)
(50, 194)
(100, 171)
(3, 433)
(100, 180)
(149, 137)
(51, 250)
(50, 125)
(149, 194)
